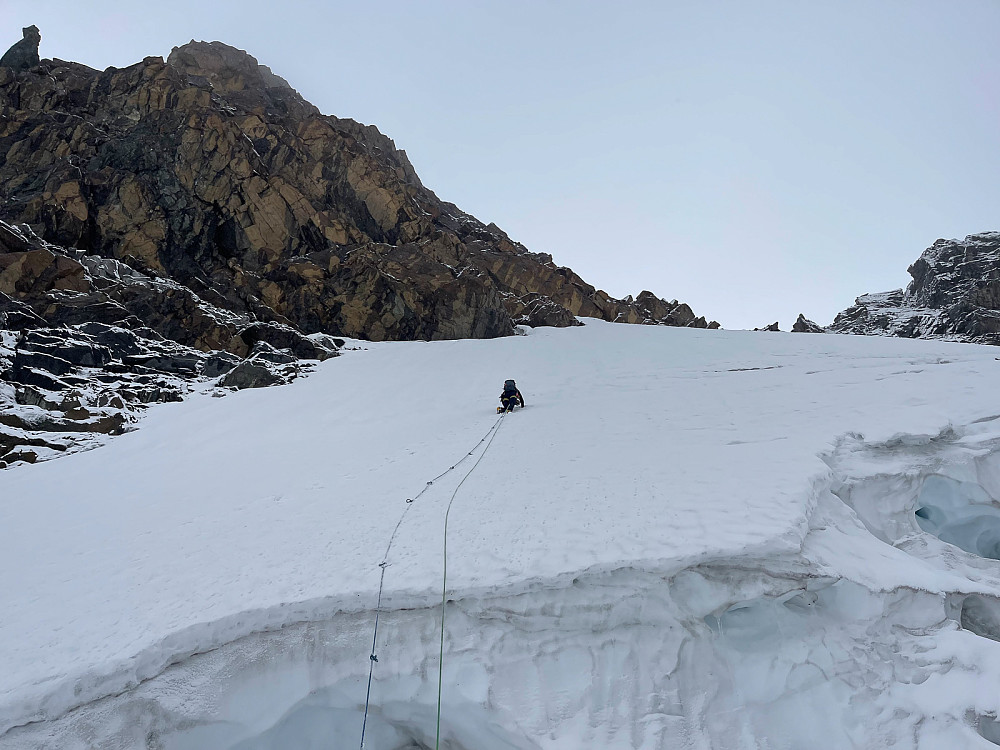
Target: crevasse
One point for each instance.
(769, 652)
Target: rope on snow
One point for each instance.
(444, 578)
(373, 658)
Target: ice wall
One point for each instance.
(754, 653)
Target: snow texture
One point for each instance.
(689, 540)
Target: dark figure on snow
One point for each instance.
(510, 397)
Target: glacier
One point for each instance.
(688, 539)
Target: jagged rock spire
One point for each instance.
(802, 324)
(24, 54)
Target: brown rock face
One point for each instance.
(225, 68)
(210, 176)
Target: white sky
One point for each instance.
(754, 159)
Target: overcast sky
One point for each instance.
(755, 159)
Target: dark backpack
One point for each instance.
(509, 387)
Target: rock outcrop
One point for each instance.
(210, 171)
(802, 324)
(83, 350)
(24, 54)
(954, 295)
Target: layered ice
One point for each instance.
(960, 513)
(688, 539)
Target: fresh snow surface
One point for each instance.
(688, 540)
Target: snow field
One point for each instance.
(689, 539)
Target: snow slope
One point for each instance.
(689, 539)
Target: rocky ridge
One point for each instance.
(211, 171)
(80, 358)
(194, 221)
(954, 295)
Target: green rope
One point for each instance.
(444, 578)
(372, 658)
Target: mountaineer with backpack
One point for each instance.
(510, 397)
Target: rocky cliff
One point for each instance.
(209, 170)
(80, 357)
(195, 220)
(954, 295)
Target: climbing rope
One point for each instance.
(373, 658)
(444, 578)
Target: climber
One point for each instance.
(510, 397)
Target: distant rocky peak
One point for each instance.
(227, 68)
(954, 295)
(952, 269)
(802, 324)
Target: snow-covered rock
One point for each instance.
(67, 389)
(688, 540)
(87, 342)
(954, 295)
